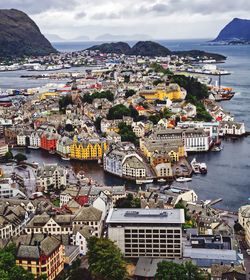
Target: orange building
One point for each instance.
(48, 141)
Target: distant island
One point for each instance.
(117, 38)
(19, 36)
(235, 32)
(149, 48)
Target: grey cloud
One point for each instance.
(37, 7)
(100, 16)
(80, 15)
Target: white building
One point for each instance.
(147, 232)
(3, 149)
(124, 163)
(232, 128)
(35, 140)
(79, 238)
(195, 140)
(244, 220)
(21, 139)
(63, 146)
(138, 129)
(51, 175)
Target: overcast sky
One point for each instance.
(161, 19)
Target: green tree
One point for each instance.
(20, 157)
(89, 97)
(127, 134)
(105, 259)
(80, 274)
(129, 92)
(172, 271)
(118, 111)
(69, 127)
(128, 202)
(8, 155)
(8, 268)
(64, 101)
(98, 123)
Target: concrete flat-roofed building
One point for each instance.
(147, 232)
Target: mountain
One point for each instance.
(149, 48)
(54, 38)
(144, 48)
(119, 48)
(19, 35)
(237, 30)
(80, 39)
(117, 38)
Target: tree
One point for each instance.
(69, 127)
(128, 202)
(64, 101)
(129, 92)
(105, 259)
(80, 274)
(8, 268)
(99, 95)
(170, 271)
(127, 134)
(118, 112)
(173, 271)
(8, 155)
(98, 123)
(20, 157)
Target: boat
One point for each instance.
(65, 158)
(183, 179)
(34, 147)
(198, 167)
(161, 180)
(217, 148)
(144, 181)
(195, 166)
(203, 168)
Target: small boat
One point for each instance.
(183, 179)
(203, 168)
(65, 158)
(198, 167)
(195, 166)
(161, 180)
(34, 147)
(217, 149)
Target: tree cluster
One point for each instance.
(128, 202)
(89, 97)
(173, 271)
(160, 69)
(105, 260)
(8, 268)
(119, 111)
(196, 92)
(127, 134)
(64, 101)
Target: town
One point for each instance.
(139, 118)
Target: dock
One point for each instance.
(215, 201)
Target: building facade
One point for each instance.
(147, 232)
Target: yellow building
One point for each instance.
(172, 92)
(87, 150)
(43, 257)
(158, 151)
